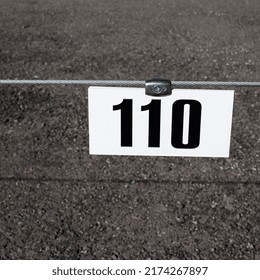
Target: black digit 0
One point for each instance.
(126, 108)
(178, 123)
(154, 108)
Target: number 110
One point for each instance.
(193, 109)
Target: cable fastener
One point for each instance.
(158, 87)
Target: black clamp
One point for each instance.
(158, 87)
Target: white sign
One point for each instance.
(125, 121)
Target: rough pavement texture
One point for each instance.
(56, 201)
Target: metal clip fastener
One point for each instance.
(158, 87)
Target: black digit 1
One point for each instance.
(194, 124)
(154, 108)
(126, 108)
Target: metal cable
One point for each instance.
(78, 82)
(215, 84)
(129, 83)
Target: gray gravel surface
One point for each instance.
(57, 201)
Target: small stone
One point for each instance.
(214, 204)
(228, 201)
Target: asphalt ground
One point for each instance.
(57, 201)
